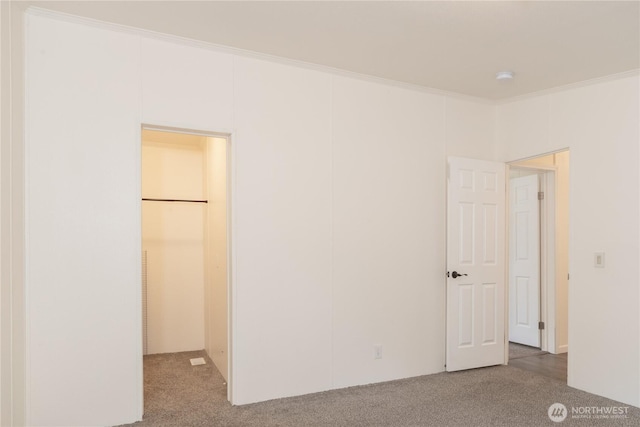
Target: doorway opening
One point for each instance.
(185, 254)
(538, 263)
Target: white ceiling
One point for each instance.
(445, 45)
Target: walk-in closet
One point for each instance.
(185, 244)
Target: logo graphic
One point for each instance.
(557, 412)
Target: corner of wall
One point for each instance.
(12, 289)
(5, 107)
(498, 150)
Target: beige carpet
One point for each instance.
(177, 394)
(517, 351)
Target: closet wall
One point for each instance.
(216, 288)
(173, 239)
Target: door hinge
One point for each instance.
(541, 325)
(540, 195)
(568, 276)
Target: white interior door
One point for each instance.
(524, 261)
(475, 248)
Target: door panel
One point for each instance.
(489, 297)
(475, 247)
(524, 261)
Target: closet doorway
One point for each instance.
(185, 246)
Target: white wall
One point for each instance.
(186, 87)
(388, 232)
(84, 362)
(173, 239)
(338, 216)
(12, 236)
(4, 121)
(470, 128)
(282, 231)
(600, 125)
(216, 285)
(5, 307)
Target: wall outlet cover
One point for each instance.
(598, 259)
(377, 351)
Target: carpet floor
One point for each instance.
(178, 394)
(517, 351)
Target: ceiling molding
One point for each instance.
(564, 88)
(66, 17)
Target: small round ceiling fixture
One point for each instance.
(504, 75)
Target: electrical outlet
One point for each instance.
(598, 259)
(377, 351)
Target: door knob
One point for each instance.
(455, 274)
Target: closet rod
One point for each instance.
(175, 200)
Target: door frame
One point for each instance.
(547, 176)
(231, 254)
